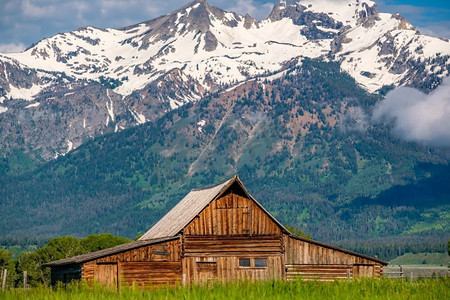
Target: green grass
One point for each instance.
(355, 289)
(422, 258)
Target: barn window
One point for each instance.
(244, 262)
(260, 263)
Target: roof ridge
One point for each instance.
(215, 185)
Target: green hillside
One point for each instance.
(422, 259)
(303, 144)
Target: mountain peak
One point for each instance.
(347, 12)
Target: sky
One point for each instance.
(24, 22)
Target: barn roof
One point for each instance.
(191, 205)
(106, 252)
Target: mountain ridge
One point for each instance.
(158, 65)
(310, 162)
(138, 115)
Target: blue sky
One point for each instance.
(23, 22)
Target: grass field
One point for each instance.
(355, 289)
(422, 259)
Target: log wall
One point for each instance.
(302, 252)
(312, 261)
(231, 245)
(318, 272)
(211, 258)
(232, 214)
(200, 269)
(144, 266)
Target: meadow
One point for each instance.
(430, 288)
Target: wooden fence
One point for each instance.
(412, 272)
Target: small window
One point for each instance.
(260, 263)
(244, 262)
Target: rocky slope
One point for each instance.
(67, 88)
(301, 143)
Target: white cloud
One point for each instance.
(10, 48)
(33, 10)
(354, 119)
(416, 116)
(256, 10)
(438, 29)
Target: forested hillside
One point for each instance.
(303, 143)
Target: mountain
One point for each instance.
(301, 143)
(69, 88)
(104, 130)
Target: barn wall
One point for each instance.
(145, 274)
(312, 261)
(232, 214)
(154, 264)
(231, 245)
(201, 269)
(209, 258)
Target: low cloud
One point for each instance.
(10, 48)
(354, 119)
(437, 29)
(418, 117)
(254, 9)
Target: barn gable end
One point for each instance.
(224, 209)
(233, 213)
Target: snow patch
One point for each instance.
(33, 105)
(140, 118)
(22, 93)
(69, 146)
(200, 125)
(110, 108)
(3, 109)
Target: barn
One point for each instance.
(218, 233)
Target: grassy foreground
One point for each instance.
(435, 288)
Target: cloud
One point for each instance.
(256, 10)
(35, 11)
(354, 119)
(416, 116)
(28, 21)
(437, 29)
(431, 18)
(12, 47)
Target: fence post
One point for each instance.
(411, 276)
(348, 273)
(4, 279)
(402, 275)
(25, 280)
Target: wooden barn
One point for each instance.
(217, 233)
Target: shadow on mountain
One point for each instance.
(432, 190)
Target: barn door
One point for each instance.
(106, 274)
(206, 271)
(363, 270)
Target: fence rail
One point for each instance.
(412, 272)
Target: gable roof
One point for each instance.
(105, 252)
(193, 204)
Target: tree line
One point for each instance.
(55, 249)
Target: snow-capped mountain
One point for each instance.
(91, 81)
